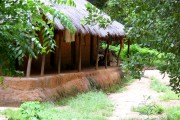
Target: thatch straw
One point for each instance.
(77, 14)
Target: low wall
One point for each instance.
(16, 90)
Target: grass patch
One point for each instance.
(149, 109)
(87, 106)
(173, 113)
(170, 95)
(160, 87)
(12, 114)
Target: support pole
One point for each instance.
(60, 38)
(43, 63)
(97, 51)
(28, 71)
(80, 46)
(121, 47)
(106, 53)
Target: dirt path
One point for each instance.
(135, 94)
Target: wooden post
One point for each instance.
(92, 50)
(80, 46)
(106, 53)
(97, 51)
(43, 63)
(128, 52)
(60, 38)
(28, 71)
(73, 54)
(121, 47)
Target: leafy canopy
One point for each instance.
(154, 24)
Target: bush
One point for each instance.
(31, 110)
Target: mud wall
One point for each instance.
(15, 90)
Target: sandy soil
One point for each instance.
(135, 95)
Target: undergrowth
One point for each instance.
(173, 113)
(149, 109)
(160, 87)
(87, 106)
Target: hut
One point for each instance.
(74, 52)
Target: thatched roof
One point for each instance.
(76, 14)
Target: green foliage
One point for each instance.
(173, 113)
(98, 3)
(153, 24)
(140, 57)
(158, 86)
(30, 110)
(1, 80)
(19, 22)
(12, 114)
(86, 106)
(95, 17)
(90, 106)
(33, 111)
(170, 95)
(149, 109)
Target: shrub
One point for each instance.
(31, 110)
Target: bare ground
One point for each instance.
(135, 95)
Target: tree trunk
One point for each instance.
(43, 63)
(97, 51)
(60, 52)
(121, 47)
(80, 41)
(28, 71)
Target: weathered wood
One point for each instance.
(106, 53)
(80, 46)
(97, 52)
(43, 63)
(91, 50)
(28, 71)
(73, 54)
(60, 38)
